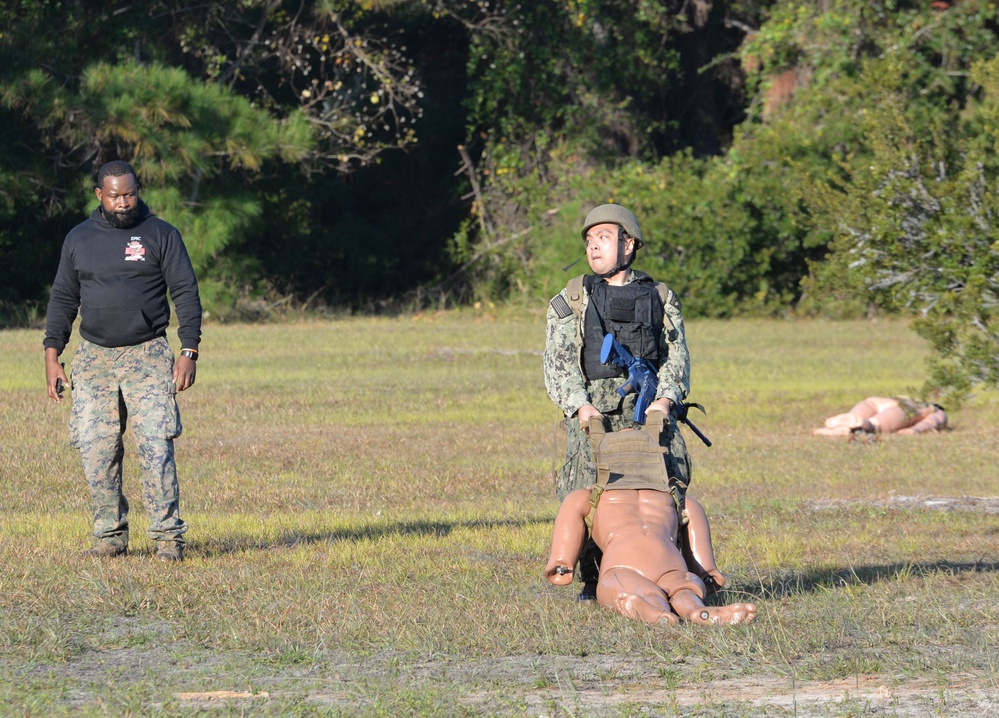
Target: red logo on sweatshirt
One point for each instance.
(135, 252)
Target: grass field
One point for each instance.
(370, 503)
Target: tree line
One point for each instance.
(785, 157)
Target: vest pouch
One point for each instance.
(635, 460)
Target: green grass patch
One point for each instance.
(370, 503)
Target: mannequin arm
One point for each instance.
(567, 537)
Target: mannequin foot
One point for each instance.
(729, 615)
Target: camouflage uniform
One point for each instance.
(119, 272)
(110, 385)
(568, 388)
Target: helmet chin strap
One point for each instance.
(620, 266)
(567, 267)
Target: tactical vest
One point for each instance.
(633, 313)
(632, 459)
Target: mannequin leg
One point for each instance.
(635, 596)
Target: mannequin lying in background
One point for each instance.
(886, 415)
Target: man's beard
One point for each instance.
(121, 220)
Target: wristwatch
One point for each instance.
(191, 354)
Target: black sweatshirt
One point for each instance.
(118, 279)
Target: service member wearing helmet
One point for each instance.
(645, 317)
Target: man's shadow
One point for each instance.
(236, 544)
(781, 584)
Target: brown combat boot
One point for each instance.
(169, 551)
(105, 549)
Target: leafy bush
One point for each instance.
(919, 226)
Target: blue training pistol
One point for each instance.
(642, 376)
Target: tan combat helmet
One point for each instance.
(615, 214)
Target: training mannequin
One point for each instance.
(886, 415)
(643, 573)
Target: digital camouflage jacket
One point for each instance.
(564, 378)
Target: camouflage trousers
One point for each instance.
(109, 386)
(580, 469)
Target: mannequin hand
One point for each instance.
(560, 575)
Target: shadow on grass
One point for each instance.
(788, 583)
(237, 544)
